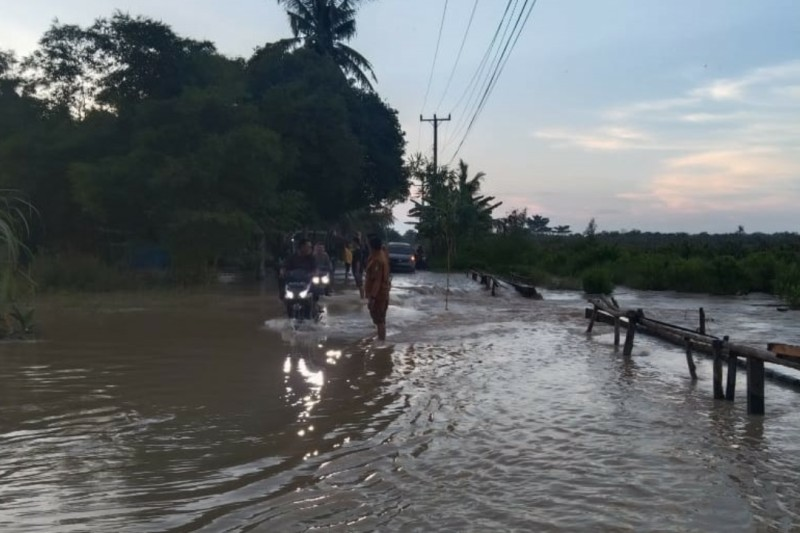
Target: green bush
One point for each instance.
(761, 269)
(729, 276)
(788, 285)
(597, 281)
(689, 275)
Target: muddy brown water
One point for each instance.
(207, 412)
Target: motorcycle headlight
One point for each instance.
(289, 295)
(326, 279)
(304, 293)
(315, 280)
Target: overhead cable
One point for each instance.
(458, 56)
(484, 59)
(480, 78)
(435, 56)
(498, 71)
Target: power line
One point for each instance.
(435, 56)
(500, 67)
(458, 56)
(479, 80)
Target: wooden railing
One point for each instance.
(494, 282)
(722, 350)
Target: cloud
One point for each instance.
(611, 138)
(708, 118)
(759, 178)
(721, 90)
(729, 145)
(745, 90)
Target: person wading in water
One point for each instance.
(377, 285)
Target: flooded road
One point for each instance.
(206, 412)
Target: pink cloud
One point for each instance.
(723, 181)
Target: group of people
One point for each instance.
(366, 259)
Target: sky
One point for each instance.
(657, 115)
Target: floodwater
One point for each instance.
(206, 412)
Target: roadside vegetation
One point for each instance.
(153, 159)
(141, 158)
(459, 226)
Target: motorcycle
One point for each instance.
(321, 283)
(301, 297)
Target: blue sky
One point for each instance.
(650, 114)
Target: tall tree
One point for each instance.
(142, 58)
(324, 26)
(450, 208)
(61, 71)
(474, 210)
(539, 224)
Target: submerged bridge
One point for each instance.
(522, 285)
(724, 352)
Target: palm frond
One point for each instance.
(355, 65)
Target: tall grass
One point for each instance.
(15, 213)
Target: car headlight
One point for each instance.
(315, 280)
(326, 279)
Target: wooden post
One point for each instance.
(730, 390)
(616, 331)
(591, 322)
(718, 392)
(702, 322)
(628, 348)
(755, 386)
(494, 287)
(690, 359)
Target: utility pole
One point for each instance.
(436, 120)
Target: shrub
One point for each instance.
(788, 286)
(597, 281)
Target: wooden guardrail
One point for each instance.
(722, 350)
(493, 282)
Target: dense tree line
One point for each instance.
(125, 135)
(735, 263)
(458, 224)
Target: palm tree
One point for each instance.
(475, 210)
(323, 25)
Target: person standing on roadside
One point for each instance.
(358, 266)
(347, 259)
(377, 285)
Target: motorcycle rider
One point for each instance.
(302, 259)
(323, 260)
(324, 264)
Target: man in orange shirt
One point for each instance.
(377, 285)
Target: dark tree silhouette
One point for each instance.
(324, 26)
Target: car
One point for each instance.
(401, 257)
